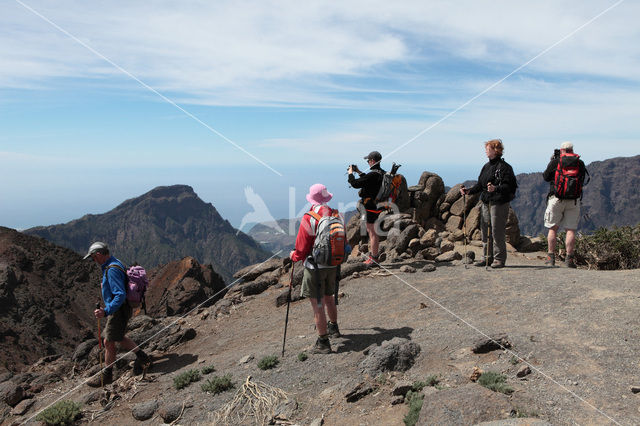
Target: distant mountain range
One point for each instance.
(163, 225)
(610, 199)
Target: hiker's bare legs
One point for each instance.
(332, 310)
(319, 316)
(571, 241)
(374, 240)
(551, 239)
(110, 349)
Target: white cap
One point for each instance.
(567, 145)
(95, 247)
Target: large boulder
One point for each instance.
(453, 223)
(426, 201)
(453, 194)
(473, 220)
(356, 230)
(469, 404)
(397, 354)
(512, 229)
(409, 233)
(179, 286)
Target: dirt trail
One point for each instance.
(577, 329)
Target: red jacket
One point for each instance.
(307, 232)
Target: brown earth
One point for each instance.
(576, 329)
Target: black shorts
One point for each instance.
(372, 211)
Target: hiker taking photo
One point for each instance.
(498, 186)
(566, 174)
(321, 243)
(117, 311)
(369, 185)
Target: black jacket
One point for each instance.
(500, 174)
(549, 175)
(369, 183)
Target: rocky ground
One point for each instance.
(575, 330)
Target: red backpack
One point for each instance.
(569, 180)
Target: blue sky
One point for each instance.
(304, 88)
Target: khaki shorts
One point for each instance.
(116, 326)
(327, 277)
(562, 213)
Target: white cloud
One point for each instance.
(261, 53)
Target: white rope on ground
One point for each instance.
(511, 352)
(72, 390)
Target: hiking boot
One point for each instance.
(551, 260)
(483, 262)
(333, 330)
(322, 346)
(371, 260)
(497, 264)
(570, 262)
(107, 378)
(142, 362)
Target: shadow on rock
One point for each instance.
(359, 342)
(172, 362)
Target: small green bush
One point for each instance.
(185, 379)
(60, 413)
(414, 400)
(495, 382)
(521, 413)
(208, 369)
(268, 362)
(514, 360)
(431, 381)
(302, 356)
(218, 384)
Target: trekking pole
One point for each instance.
(464, 228)
(100, 347)
(286, 318)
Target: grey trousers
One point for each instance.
(498, 220)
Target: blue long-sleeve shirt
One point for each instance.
(114, 292)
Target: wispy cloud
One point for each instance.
(299, 53)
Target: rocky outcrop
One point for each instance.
(179, 286)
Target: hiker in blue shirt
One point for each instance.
(117, 311)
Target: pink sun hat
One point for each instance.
(318, 194)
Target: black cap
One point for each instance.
(374, 155)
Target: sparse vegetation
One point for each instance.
(495, 382)
(60, 413)
(520, 413)
(514, 360)
(208, 369)
(414, 400)
(185, 379)
(430, 381)
(610, 249)
(268, 362)
(302, 356)
(218, 384)
(381, 379)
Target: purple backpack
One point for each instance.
(136, 285)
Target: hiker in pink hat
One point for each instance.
(321, 244)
